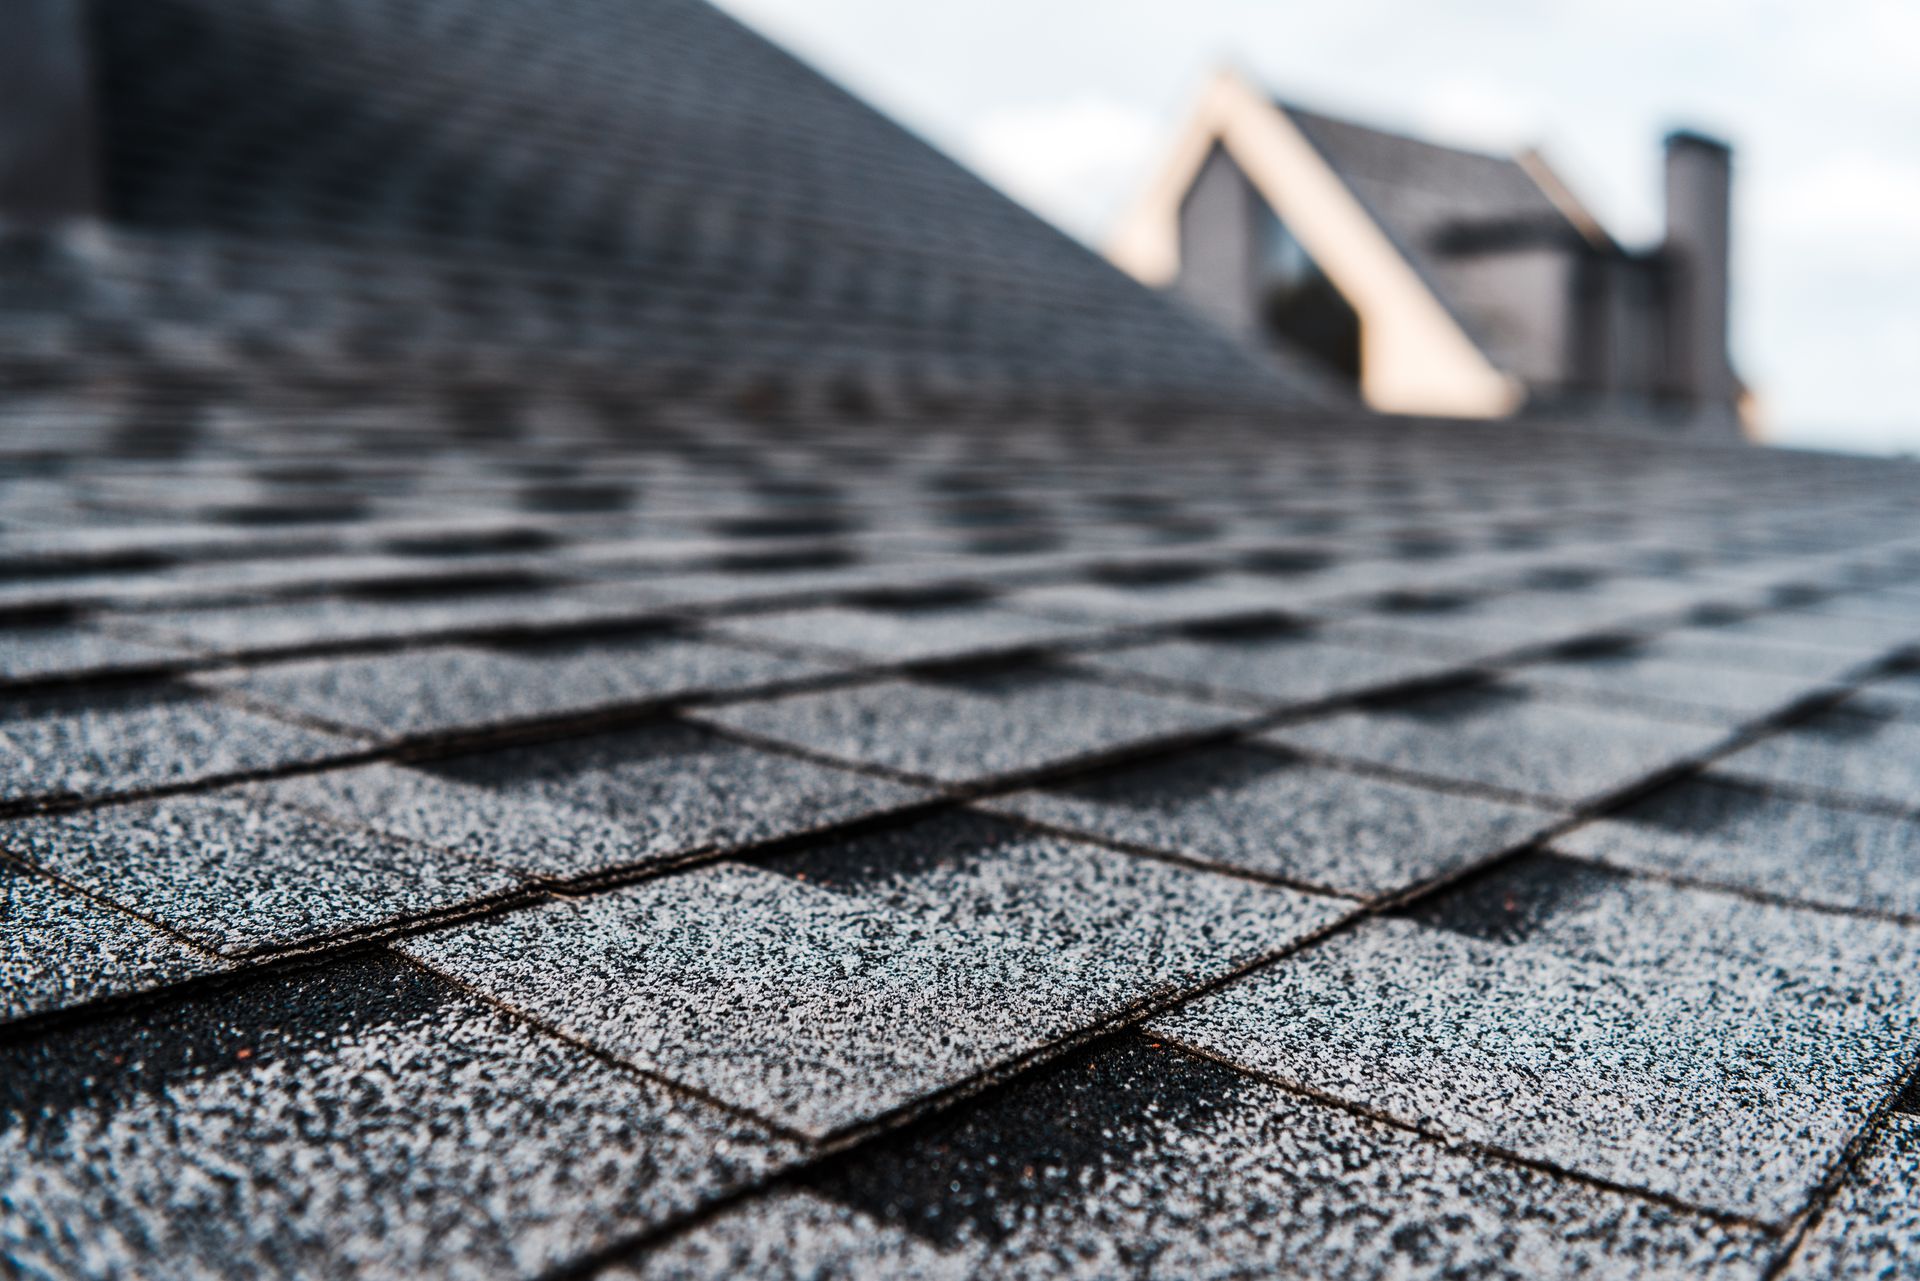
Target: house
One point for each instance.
(1439, 280)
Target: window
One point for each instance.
(1298, 304)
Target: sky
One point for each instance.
(1068, 105)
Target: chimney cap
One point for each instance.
(1678, 138)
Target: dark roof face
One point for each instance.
(1443, 206)
(650, 176)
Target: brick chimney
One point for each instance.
(48, 167)
(1699, 187)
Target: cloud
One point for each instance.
(1069, 161)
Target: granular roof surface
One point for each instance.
(1299, 844)
(615, 670)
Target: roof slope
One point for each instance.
(650, 176)
(1434, 201)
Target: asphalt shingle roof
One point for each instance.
(471, 813)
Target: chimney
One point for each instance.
(1699, 185)
(48, 169)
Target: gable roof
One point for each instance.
(706, 200)
(1440, 205)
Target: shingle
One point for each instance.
(606, 802)
(30, 651)
(906, 634)
(1148, 602)
(1718, 647)
(1689, 1043)
(1711, 830)
(445, 690)
(1560, 752)
(365, 1120)
(1147, 1161)
(1843, 752)
(59, 948)
(239, 873)
(1869, 1228)
(1262, 811)
(1277, 669)
(972, 727)
(825, 1007)
(94, 743)
(1727, 695)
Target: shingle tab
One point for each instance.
(1845, 752)
(59, 948)
(445, 690)
(823, 1006)
(1264, 812)
(365, 1120)
(1716, 831)
(96, 743)
(969, 728)
(36, 651)
(906, 634)
(1869, 1228)
(607, 802)
(1145, 1161)
(1276, 669)
(238, 873)
(1560, 752)
(1688, 1043)
(1727, 695)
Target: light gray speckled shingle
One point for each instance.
(29, 652)
(1262, 811)
(59, 948)
(1713, 831)
(1844, 752)
(1718, 647)
(239, 874)
(825, 1006)
(1715, 694)
(1154, 1163)
(591, 805)
(906, 635)
(365, 1120)
(972, 728)
(89, 744)
(1274, 670)
(1560, 752)
(1872, 1225)
(444, 690)
(1689, 1043)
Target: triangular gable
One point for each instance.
(1417, 358)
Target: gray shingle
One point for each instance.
(1843, 752)
(30, 652)
(239, 874)
(365, 1120)
(89, 744)
(1689, 1043)
(1709, 830)
(1560, 752)
(1273, 669)
(603, 803)
(1725, 695)
(59, 948)
(825, 1007)
(972, 727)
(445, 690)
(906, 634)
(1144, 1162)
(1870, 1226)
(1719, 647)
(1264, 812)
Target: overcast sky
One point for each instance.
(1067, 104)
